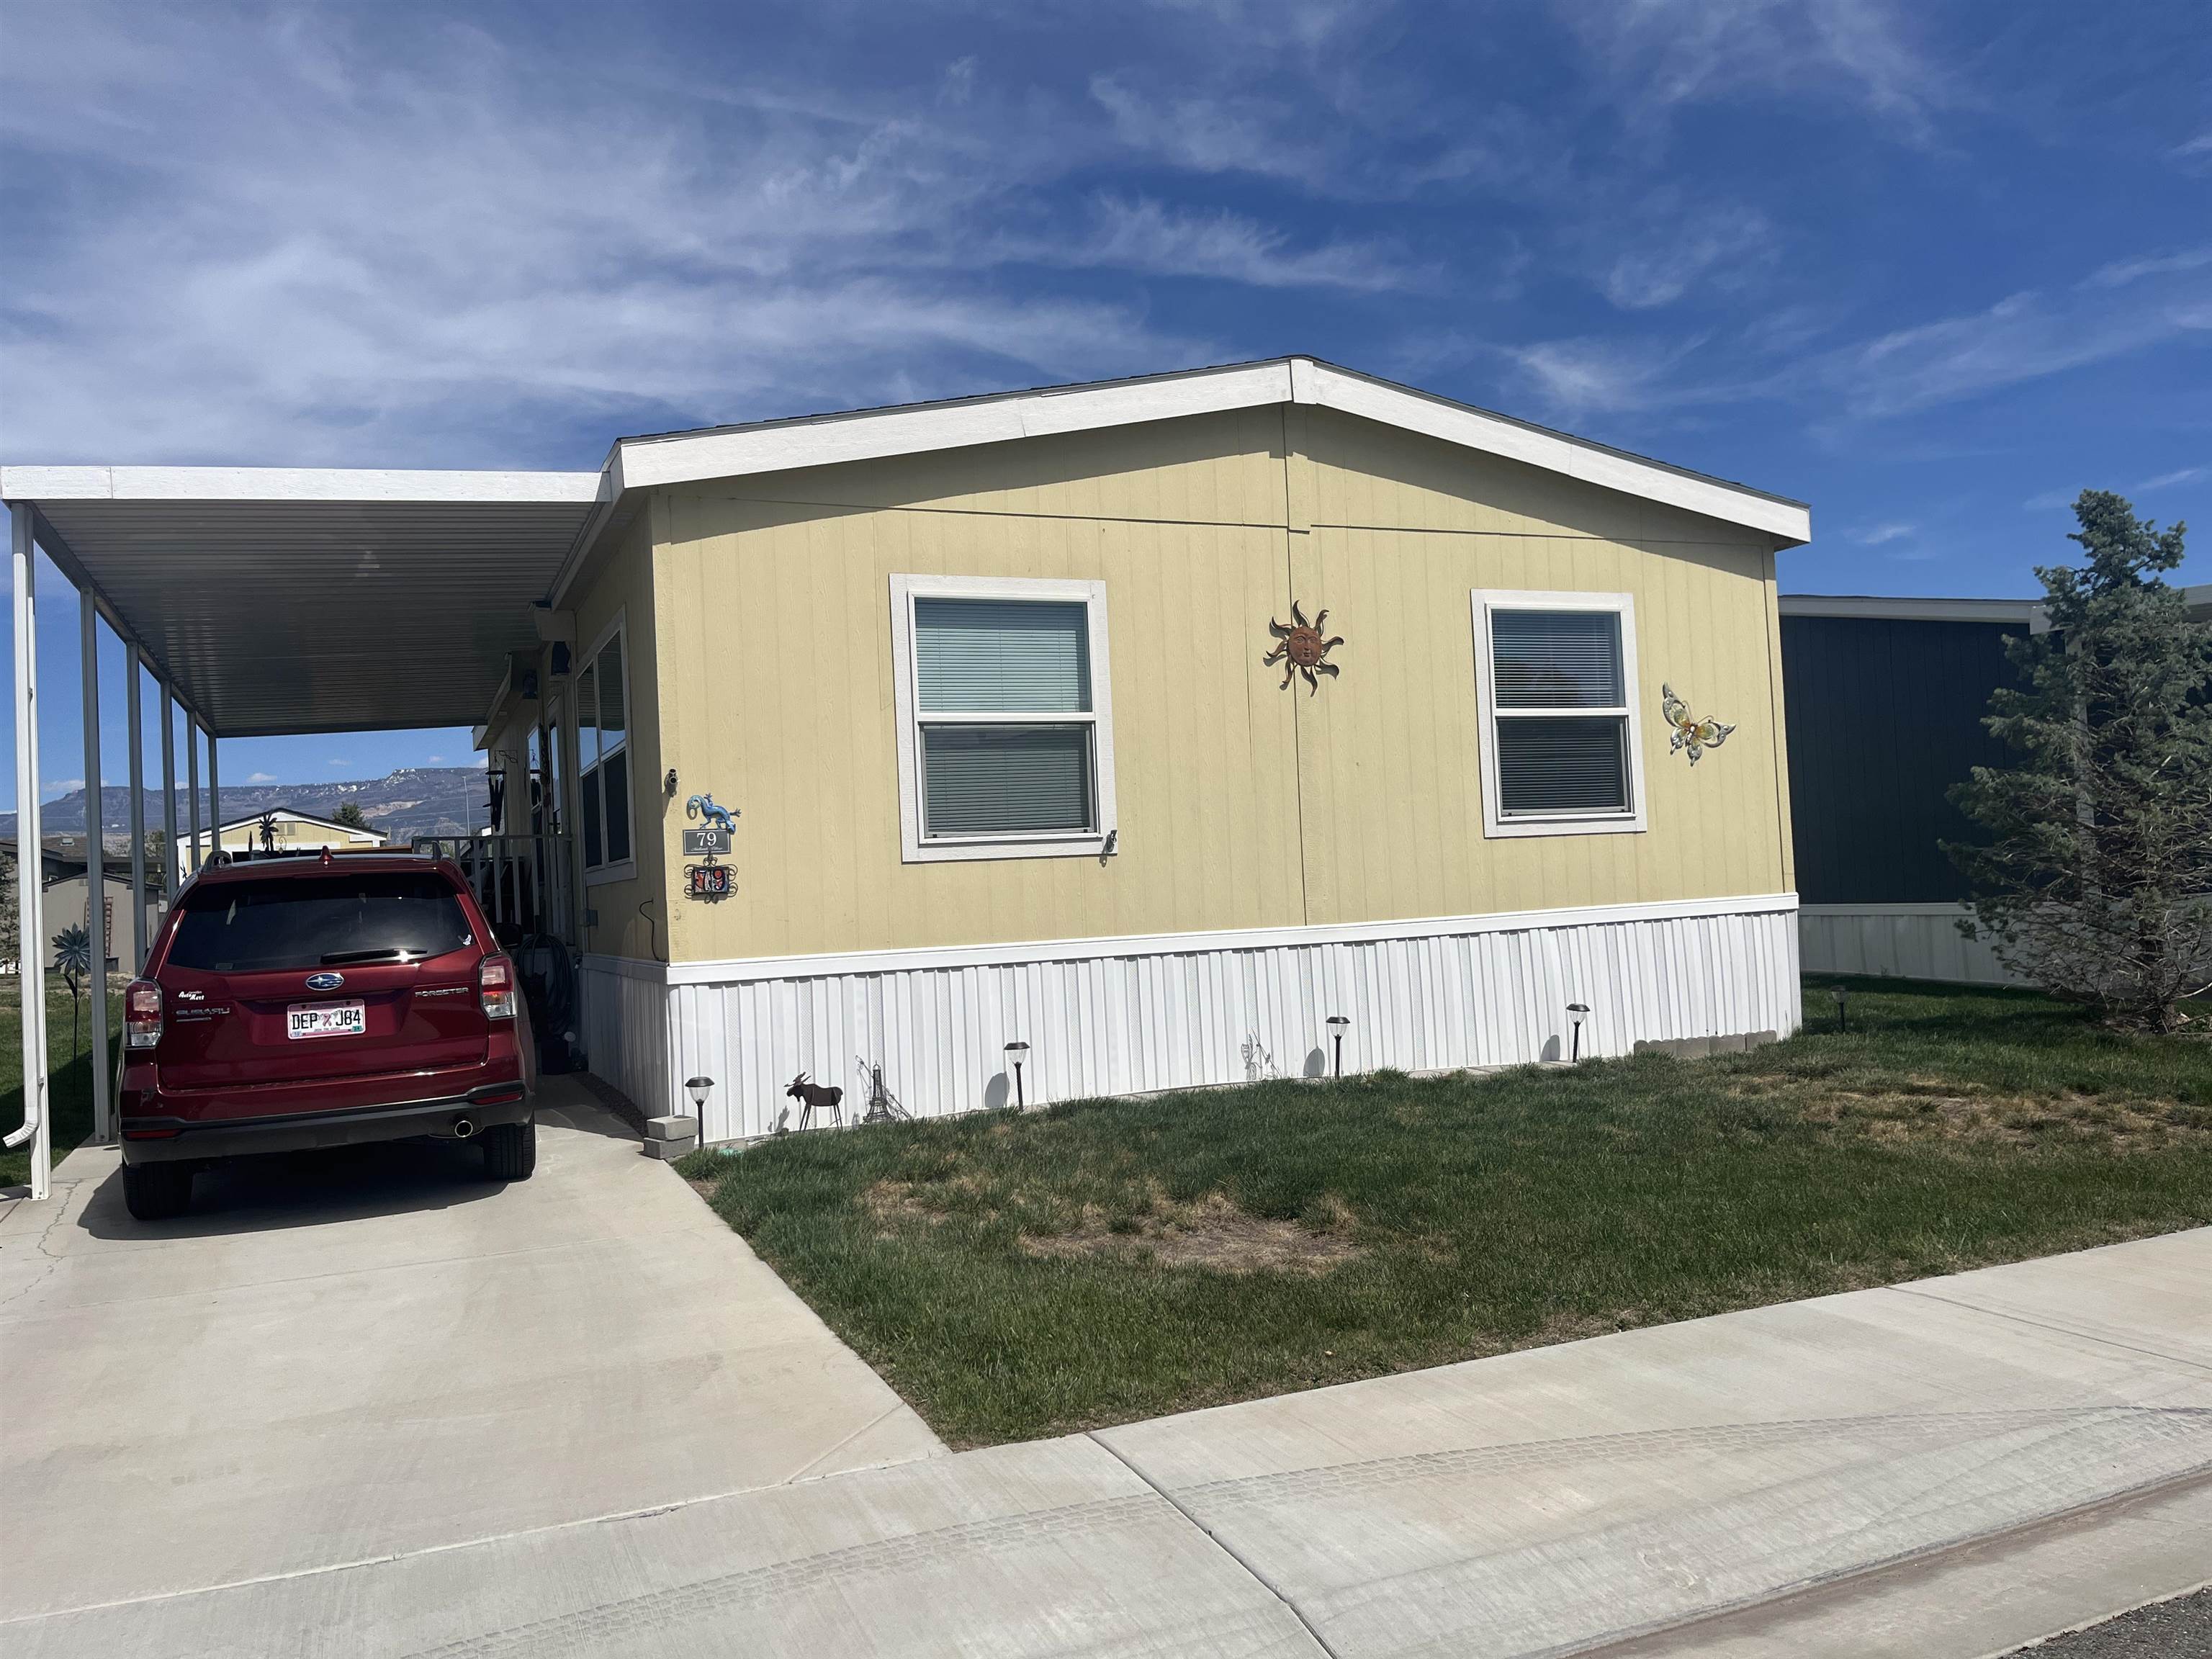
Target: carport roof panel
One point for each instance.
(281, 600)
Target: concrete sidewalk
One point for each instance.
(1950, 1468)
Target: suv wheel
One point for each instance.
(510, 1151)
(156, 1192)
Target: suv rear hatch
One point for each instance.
(399, 943)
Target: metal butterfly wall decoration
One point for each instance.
(1690, 732)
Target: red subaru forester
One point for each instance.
(302, 1002)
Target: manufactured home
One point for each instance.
(1102, 739)
(1886, 698)
(1151, 734)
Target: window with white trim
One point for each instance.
(1006, 722)
(603, 785)
(1562, 750)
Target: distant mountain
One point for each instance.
(416, 801)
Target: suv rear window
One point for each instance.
(319, 921)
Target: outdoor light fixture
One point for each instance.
(700, 1087)
(1843, 996)
(1577, 1013)
(1016, 1054)
(1338, 1025)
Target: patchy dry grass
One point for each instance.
(1015, 1276)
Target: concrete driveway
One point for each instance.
(346, 1359)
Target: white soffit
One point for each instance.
(874, 434)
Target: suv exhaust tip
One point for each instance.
(462, 1128)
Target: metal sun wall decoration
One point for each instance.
(1303, 649)
(1690, 732)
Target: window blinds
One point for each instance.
(1001, 657)
(1555, 759)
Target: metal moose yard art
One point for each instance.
(1303, 649)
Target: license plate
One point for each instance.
(321, 1019)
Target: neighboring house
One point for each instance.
(1885, 701)
(985, 681)
(293, 832)
(62, 882)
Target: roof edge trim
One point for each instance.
(877, 435)
(294, 484)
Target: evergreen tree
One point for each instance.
(351, 816)
(2096, 881)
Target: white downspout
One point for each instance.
(30, 859)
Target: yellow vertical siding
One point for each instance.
(632, 913)
(1240, 805)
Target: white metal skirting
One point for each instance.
(1903, 941)
(625, 1028)
(1151, 1018)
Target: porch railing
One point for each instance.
(524, 883)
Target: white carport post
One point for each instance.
(214, 799)
(95, 868)
(134, 690)
(192, 781)
(168, 793)
(30, 861)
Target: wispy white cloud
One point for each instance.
(336, 760)
(1675, 247)
(2023, 337)
(2121, 272)
(261, 777)
(1145, 235)
(1572, 378)
(2050, 499)
(438, 240)
(1876, 535)
(2186, 475)
(1659, 54)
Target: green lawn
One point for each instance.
(1016, 1276)
(72, 1088)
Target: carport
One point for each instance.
(262, 602)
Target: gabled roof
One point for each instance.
(728, 451)
(295, 815)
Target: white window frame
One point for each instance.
(914, 848)
(594, 875)
(1489, 600)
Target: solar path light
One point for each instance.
(1338, 1025)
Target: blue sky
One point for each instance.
(1932, 268)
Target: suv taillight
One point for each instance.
(495, 987)
(141, 1015)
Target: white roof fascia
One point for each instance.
(878, 434)
(1609, 469)
(292, 483)
(1901, 609)
(826, 440)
